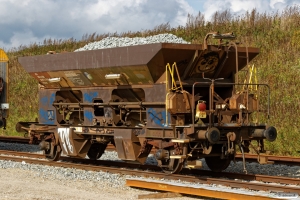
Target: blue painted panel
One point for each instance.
(44, 101)
(46, 110)
(158, 117)
(52, 98)
(89, 96)
(88, 115)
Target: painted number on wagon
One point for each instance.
(64, 134)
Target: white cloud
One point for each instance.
(238, 7)
(31, 21)
(274, 2)
(69, 18)
(17, 38)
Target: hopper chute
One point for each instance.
(138, 65)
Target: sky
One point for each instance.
(32, 21)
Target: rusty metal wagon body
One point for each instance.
(180, 99)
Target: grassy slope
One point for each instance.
(278, 36)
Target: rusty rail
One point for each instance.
(279, 160)
(191, 190)
(95, 166)
(14, 139)
(284, 160)
(196, 172)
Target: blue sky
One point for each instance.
(197, 5)
(31, 21)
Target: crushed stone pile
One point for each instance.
(111, 42)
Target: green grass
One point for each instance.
(277, 35)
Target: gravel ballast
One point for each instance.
(47, 182)
(21, 180)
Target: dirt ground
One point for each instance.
(24, 184)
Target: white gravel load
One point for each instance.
(111, 42)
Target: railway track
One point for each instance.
(284, 160)
(14, 139)
(279, 184)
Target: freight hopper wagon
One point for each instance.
(4, 106)
(180, 100)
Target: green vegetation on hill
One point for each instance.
(276, 34)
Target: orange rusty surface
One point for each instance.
(182, 189)
(140, 64)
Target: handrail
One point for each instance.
(218, 83)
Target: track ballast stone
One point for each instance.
(33, 181)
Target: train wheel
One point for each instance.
(217, 164)
(52, 155)
(96, 151)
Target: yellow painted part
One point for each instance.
(171, 72)
(3, 56)
(252, 79)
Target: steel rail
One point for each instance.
(284, 160)
(14, 139)
(191, 190)
(198, 172)
(278, 160)
(95, 167)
